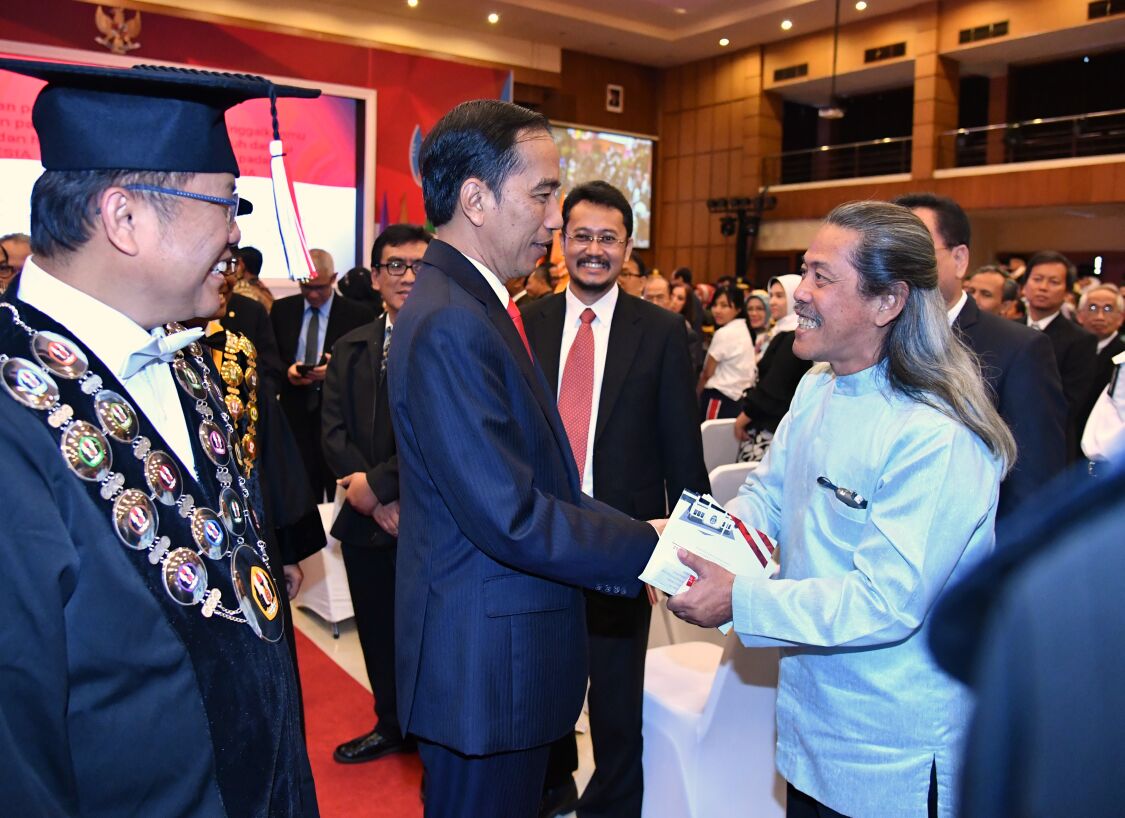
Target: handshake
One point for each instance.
(700, 551)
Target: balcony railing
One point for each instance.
(1061, 137)
(828, 162)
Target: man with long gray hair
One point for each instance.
(881, 488)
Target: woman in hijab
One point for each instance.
(758, 314)
(731, 363)
(779, 371)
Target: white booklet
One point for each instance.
(700, 525)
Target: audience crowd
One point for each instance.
(1007, 368)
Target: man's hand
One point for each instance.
(294, 576)
(295, 377)
(658, 525)
(740, 425)
(359, 494)
(707, 603)
(317, 373)
(386, 515)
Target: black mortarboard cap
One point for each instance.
(149, 117)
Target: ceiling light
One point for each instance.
(412, 3)
(861, 5)
(680, 11)
(786, 25)
(494, 18)
(724, 42)
(833, 111)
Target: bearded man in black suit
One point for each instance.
(637, 446)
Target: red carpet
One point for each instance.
(337, 708)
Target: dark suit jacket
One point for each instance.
(1038, 624)
(1019, 366)
(647, 446)
(1076, 354)
(496, 537)
(1102, 373)
(246, 316)
(356, 428)
(287, 315)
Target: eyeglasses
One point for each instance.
(398, 267)
(606, 240)
(626, 274)
(230, 204)
(1108, 309)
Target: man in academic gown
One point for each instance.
(144, 667)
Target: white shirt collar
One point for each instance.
(955, 310)
(603, 308)
(1042, 323)
(112, 336)
(493, 282)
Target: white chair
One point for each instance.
(325, 589)
(709, 733)
(719, 444)
(726, 480)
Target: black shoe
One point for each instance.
(369, 747)
(559, 800)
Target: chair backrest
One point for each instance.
(726, 480)
(719, 444)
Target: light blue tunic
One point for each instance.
(862, 710)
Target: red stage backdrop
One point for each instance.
(412, 92)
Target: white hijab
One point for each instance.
(787, 322)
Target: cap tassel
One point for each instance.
(295, 249)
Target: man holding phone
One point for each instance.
(306, 326)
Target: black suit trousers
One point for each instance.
(618, 641)
(501, 785)
(371, 575)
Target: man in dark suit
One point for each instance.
(1016, 362)
(359, 445)
(1100, 311)
(495, 536)
(306, 327)
(1050, 276)
(639, 447)
(1037, 630)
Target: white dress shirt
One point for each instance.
(113, 337)
(603, 317)
(493, 281)
(955, 310)
(1042, 323)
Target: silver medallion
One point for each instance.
(29, 384)
(163, 477)
(116, 415)
(257, 594)
(208, 533)
(86, 451)
(215, 443)
(185, 576)
(188, 379)
(134, 519)
(60, 355)
(233, 512)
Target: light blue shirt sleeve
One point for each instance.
(855, 577)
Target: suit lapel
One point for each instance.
(451, 262)
(624, 340)
(545, 331)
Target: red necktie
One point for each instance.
(517, 319)
(576, 393)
